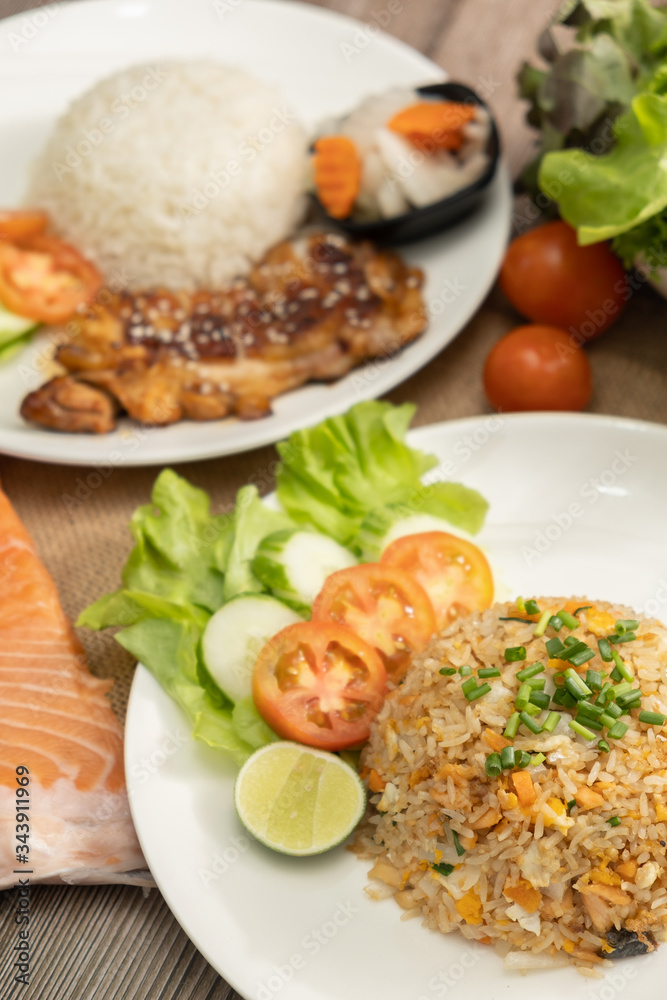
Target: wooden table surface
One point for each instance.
(117, 942)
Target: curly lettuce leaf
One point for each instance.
(604, 196)
(181, 550)
(618, 46)
(164, 636)
(250, 726)
(333, 474)
(253, 521)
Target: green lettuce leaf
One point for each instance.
(333, 474)
(180, 551)
(250, 726)
(164, 636)
(604, 196)
(458, 504)
(616, 49)
(253, 521)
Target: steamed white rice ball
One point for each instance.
(180, 174)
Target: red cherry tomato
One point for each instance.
(45, 279)
(550, 279)
(320, 684)
(383, 605)
(453, 572)
(537, 368)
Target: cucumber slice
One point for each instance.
(384, 525)
(13, 326)
(419, 523)
(12, 347)
(294, 564)
(235, 635)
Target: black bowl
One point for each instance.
(421, 222)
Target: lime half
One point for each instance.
(298, 800)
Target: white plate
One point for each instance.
(577, 507)
(323, 64)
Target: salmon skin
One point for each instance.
(58, 731)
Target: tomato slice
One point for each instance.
(454, 573)
(19, 224)
(387, 607)
(45, 279)
(319, 684)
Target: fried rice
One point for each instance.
(531, 864)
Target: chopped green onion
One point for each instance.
(584, 656)
(652, 718)
(465, 671)
(624, 669)
(571, 640)
(590, 723)
(489, 672)
(538, 758)
(492, 765)
(532, 709)
(588, 708)
(605, 650)
(522, 758)
(443, 869)
(608, 720)
(515, 653)
(554, 647)
(630, 700)
(457, 844)
(551, 722)
(613, 710)
(617, 731)
(479, 692)
(520, 603)
(507, 757)
(563, 697)
(603, 746)
(447, 671)
(536, 683)
(614, 821)
(594, 680)
(626, 625)
(523, 697)
(469, 685)
(584, 607)
(582, 730)
(606, 694)
(576, 685)
(541, 699)
(525, 621)
(622, 637)
(512, 727)
(555, 622)
(616, 675)
(541, 626)
(530, 723)
(621, 689)
(568, 620)
(532, 608)
(571, 804)
(528, 672)
(573, 649)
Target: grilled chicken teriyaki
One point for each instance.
(313, 308)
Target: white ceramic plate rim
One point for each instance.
(143, 716)
(479, 241)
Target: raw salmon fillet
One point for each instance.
(56, 721)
